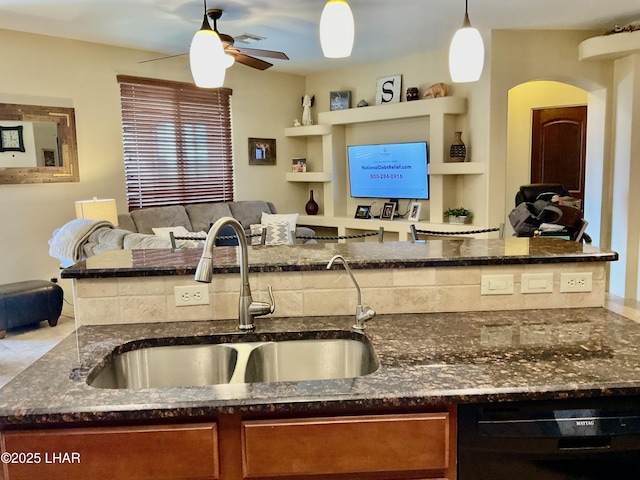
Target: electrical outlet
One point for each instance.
(575, 282)
(191, 295)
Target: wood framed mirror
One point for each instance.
(48, 150)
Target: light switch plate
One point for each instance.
(496, 285)
(536, 283)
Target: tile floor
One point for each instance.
(22, 347)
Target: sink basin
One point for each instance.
(243, 362)
(168, 366)
(309, 360)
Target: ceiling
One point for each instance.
(385, 29)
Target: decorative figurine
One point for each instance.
(307, 103)
(296, 122)
(412, 94)
(436, 90)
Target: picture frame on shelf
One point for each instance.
(340, 100)
(414, 211)
(363, 211)
(262, 151)
(388, 89)
(299, 165)
(388, 211)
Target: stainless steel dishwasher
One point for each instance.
(587, 439)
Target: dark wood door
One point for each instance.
(558, 147)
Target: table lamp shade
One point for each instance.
(98, 209)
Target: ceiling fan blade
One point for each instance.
(251, 61)
(261, 53)
(163, 58)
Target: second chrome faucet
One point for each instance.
(363, 314)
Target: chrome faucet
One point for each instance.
(363, 314)
(247, 308)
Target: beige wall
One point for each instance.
(50, 71)
(519, 57)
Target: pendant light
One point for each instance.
(206, 56)
(466, 53)
(337, 29)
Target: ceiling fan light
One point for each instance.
(466, 54)
(207, 59)
(337, 29)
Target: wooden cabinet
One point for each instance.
(385, 446)
(381, 444)
(132, 453)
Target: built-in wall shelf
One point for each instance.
(460, 168)
(308, 131)
(393, 111)
(335, 127)
(309, 177)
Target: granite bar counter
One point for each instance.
(424, 359)
(395, 277)
(361, 255)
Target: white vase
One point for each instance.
(453, 219)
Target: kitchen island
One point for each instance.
(428, 364)
(431, 356)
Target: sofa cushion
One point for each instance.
(146, 219)
(125, 222)
(249, 212)
(202, 215)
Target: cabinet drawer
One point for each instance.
(340, 445)
(166, 452)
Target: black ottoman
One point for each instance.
(25, 303)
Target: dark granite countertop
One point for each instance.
(434, 253)
(425, 359)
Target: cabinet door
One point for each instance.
(340, 445)
(158, 452)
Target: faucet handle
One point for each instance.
(257, 309)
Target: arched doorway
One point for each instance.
(522, 100)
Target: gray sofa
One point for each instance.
(83, 238)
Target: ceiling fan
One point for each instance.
(246, 56)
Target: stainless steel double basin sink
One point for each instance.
(198, 364)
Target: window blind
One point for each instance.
(177, 142)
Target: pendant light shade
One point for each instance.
(207, 58)
(337, 29)
(466, 53)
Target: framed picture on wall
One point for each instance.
(48, 157)
(262, 151)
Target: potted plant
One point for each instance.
(457, 215)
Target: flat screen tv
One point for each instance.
(389, 170)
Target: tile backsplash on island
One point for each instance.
(316, 293)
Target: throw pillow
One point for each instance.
(256, 229)
(290, 218)
(278, 233)
(164, 231)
